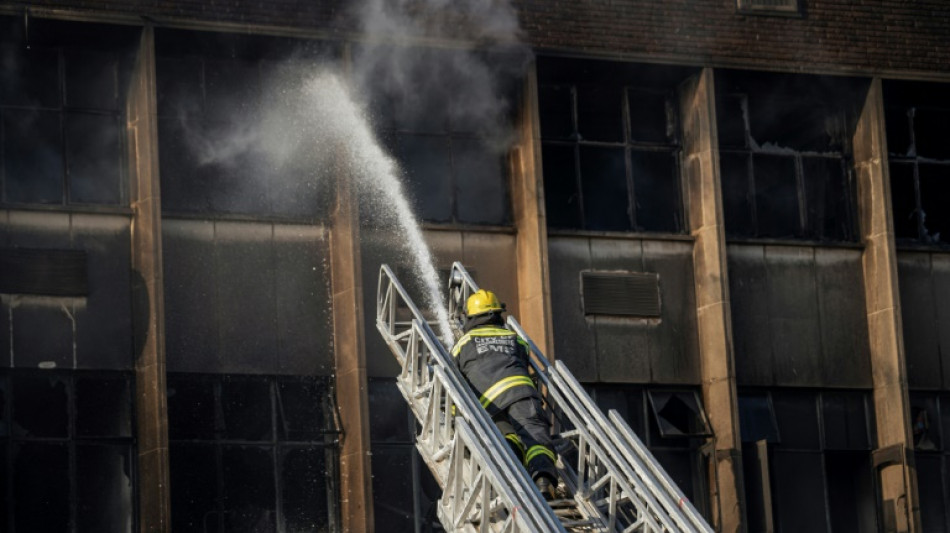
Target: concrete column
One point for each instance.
(527, 199)
(148, 292)
(356, 495)
(894, 456)
(714, 320)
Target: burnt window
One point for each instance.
(806, 460)
(446, 116)
(233, 126)
(610, 146)
(785, 155)
(930, 423)
(62, 99)
(918, 145)
(247, 449)
(405, 494)
(67, 455)
(672, 424)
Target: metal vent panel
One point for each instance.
(769, 6)
(621, 293)
(44, 272)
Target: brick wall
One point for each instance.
(860, 36)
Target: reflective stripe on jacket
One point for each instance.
(495, 362)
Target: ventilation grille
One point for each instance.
(623, 294)
(770, 6)
(44, 272)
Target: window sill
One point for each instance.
(801, 243)
(70, 209)
(622, 235)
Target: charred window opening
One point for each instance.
(405, 495)
(610, 146)
(807, 461)
(234, 134)
(68, 454)
(672, 424)
(447, 116)
(62, 99)
(930, 424)
(247, 449)
(785, 155)
(918, 144)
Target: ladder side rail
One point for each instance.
(607, 456)
(417, 347)
(638, 461)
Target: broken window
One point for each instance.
(807, 461)
(62, 95)
(671, 423)
(930, 426)
(918, 144)
(610, 146)
(68, 448)
(785, 157)
(679, 414)
(246, 449)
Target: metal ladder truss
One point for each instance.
(614, 479)
(484, 489)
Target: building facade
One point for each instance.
(727, 217)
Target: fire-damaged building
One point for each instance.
(729, 218)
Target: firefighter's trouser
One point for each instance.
(526, 430)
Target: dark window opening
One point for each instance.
(449, 115)
(918, 144)
(62, 99)
(224, 103)
(610, 146)
(785, 155)
(930, 424)
(251, 453)
(405, 494)
(67, 454)
(679, 414)
(818, 476)
(673, 426)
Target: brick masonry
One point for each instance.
(881, 37)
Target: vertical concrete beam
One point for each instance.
(888, 369)
(356, 495)
(527, 199)
(714, 320)
(148, 292)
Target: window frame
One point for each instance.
(629, 146)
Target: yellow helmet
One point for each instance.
(481, 302)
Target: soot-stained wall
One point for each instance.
(924, 280)
(798, 316)
(624, 349)
(246, 297)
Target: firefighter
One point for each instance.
(494, 360)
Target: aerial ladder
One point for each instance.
(608, 479)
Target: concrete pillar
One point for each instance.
(356, 495)
(894, 456)
(148, 292)
(527, 199)
(704, 198)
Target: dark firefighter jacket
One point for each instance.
(495, 362)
